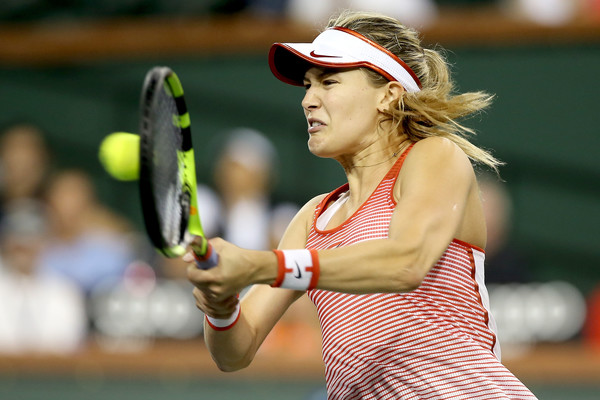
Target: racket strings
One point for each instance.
(166, 179)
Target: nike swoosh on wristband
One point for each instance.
(299, 275)
(313, 54)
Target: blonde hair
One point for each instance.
(435, 109)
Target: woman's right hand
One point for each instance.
(214, 308)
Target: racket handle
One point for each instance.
(209, 259)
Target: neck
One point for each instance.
(363, 177)
(384, 161)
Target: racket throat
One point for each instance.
(201, 250)
(184, 203)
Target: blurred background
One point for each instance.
(89, 310)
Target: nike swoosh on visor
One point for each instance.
(313, 54)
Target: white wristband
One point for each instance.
(219, 324)
(297, 269)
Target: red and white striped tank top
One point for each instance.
(436, 342)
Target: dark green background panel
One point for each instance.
(543, 124)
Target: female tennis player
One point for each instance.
(393, 260)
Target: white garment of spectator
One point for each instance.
(40, 315)
(248, 224)
(37, 313)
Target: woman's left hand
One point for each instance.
(228, 278)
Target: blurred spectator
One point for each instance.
(24, 163)
(525, 311)
(88, 243)
(243, 176)
(543, 12)
(37, 313)
(416, 13)
(504, 263)
(241, 210)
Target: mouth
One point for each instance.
(314, 125)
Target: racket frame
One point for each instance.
(163, 78)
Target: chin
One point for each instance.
(322, 154)
(317, 150)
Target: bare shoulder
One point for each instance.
(438, 147)
(435, 160)
(438, 154)
(437, 183)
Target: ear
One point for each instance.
(391, 95)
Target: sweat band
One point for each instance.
(297, 269)
(339, 47)
(219, 324)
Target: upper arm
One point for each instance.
(432, 193)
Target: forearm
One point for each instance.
(234, 348)
(373, 266)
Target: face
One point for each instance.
(341, 108)
(23, 161)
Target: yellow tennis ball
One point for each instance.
(120, 155)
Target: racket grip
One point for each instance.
(210, 258)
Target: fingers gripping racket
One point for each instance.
(168, 170)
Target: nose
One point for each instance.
(310, 100)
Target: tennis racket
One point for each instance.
(168, 170)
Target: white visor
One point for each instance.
(339, 47)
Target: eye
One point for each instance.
(329, 82)
(306, 85)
